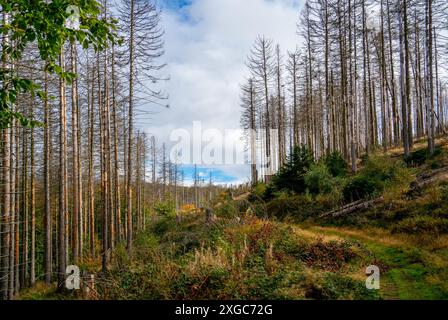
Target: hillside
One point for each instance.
(286, 247)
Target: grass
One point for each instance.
(411, 272)
(256, 259)
(266, 260)
(279, 248)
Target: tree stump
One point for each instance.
(89, 286)
(209, 217)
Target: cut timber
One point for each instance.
(430, 178)
(358, 205)
(429, 175)
(422, 181)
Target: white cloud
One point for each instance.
(206, 48)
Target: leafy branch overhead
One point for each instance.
(41, 23)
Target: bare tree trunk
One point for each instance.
(75, 169)
(395, 113)
(25, 211)
(110, 231)
(429, 78)
(62, 253)
(130, 131)
(14, 214)
(104, 171)
(16, 238)
(143, 191)
(404, 101)
(438, 98)
(153, 168)
(407, 75)
(5, 191)
(116, 162)
(32, 203)
(91, 182)
(6, 213)
(47, 202)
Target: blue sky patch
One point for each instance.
(175, 4)
(218, 176)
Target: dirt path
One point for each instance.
(412, 271)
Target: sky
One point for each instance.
(206, 47)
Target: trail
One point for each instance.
(406, 264)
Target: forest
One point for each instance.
(345, 137)
(368, 75)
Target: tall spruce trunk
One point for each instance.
(75, 169)
(47, 198)
(62, 246)
(429, 78)
(130, 131)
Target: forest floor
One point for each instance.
(265, 260)
(289, 252)
(410, 270)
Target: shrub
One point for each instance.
(360, 187)
(335, 286)
(187, 209)
(259, 190)
(330, 200)
(292, 175)
(166, 208)
(297, 206)
(378, 174)
(227, 209)
(318, 180)
(419, 157)
(336, 164)
(331, 256)
(386, 170)
(164, 225)
(422, 224)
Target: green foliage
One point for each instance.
(378, 174)
(336, 164)
(419, 157)
(202, 284)
(383, 168)
(43, 24)
(360, 187)
(12, 86)
(334, 286)
(227, 209)
(422, 224)
(318, 180)
(299, 207)
(166, 208)
(259, 191)
(291, 176)
(255, 259)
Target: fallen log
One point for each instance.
(440, 174)
(346, 206)
(433, 179)
(426, 176)
(354, 206)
